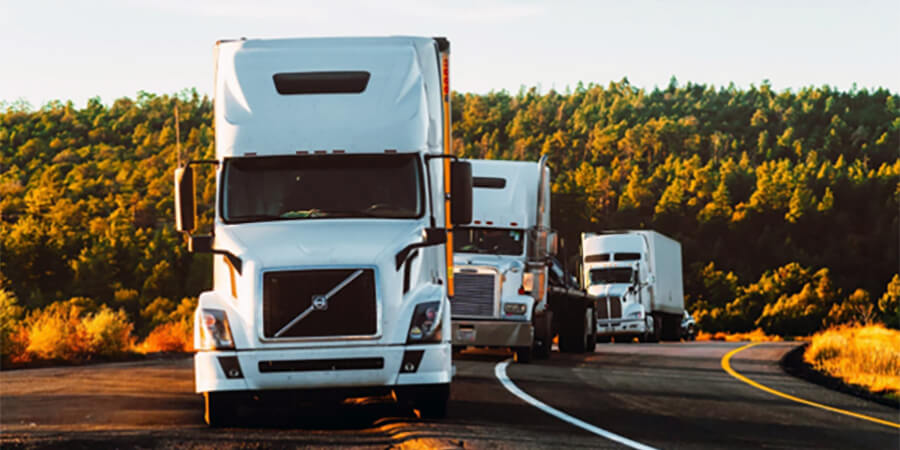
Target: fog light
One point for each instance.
(515, 308)
(411, 361)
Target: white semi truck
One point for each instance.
(638, 278)
(335, 192)
(502, 260)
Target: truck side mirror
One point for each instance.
(460, 192)
(185, 207)
(553, 243)
(200, 244)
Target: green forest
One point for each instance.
(786, 203)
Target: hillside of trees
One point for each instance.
(786, 203)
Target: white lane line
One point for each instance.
(500, 373)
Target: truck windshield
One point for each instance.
(612, 275)
(309, 187)
(495, 241)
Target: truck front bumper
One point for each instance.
(492, 333)
(613, 327)
(312, 368)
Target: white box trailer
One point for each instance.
(638, 276)
(335, 191)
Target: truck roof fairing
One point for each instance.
(398, 107)
(606, 243)
(492, 204)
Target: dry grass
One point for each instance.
(756, 335)
(867, 356)
(169, 337)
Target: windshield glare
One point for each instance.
(495, 241)
(612, 275)
(308, 187)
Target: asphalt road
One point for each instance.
(672, 395)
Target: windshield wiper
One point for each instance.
(303, 213)
(318, 213)
(253, 218)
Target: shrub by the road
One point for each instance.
(78, 330)
(169, 337)
(10, 316)
(867, 356)
(756, 335)
(73, 330)
(108, 332)
(172, 326)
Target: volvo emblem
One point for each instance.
(320, 302)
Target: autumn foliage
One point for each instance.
(169, 337)
(756, 335)
(785, 202)
(77, 330)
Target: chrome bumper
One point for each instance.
(619, 326)
(492, 333)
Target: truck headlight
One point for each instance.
(425, 325)
(516, 309)
(527, 282)
(215, 333)
(636, 315)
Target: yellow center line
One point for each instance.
(726, 365)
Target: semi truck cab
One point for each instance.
(335, 191)
(619, 289)
(637, 275)
(501, 260)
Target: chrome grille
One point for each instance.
(349, 311)
(609, 308)
(474, 295)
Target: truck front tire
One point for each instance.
(543, 335)
(523, 354)
(431, 401)
(654, 329)
(220, 409)
(576, 335)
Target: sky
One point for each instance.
(75, 50)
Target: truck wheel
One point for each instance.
(543, 337)
(542, 348)
(219, 409)
(591, 339)
(604, 339)
(573, 335)
(523, 354)
(670, 327)
(431, 401)
(655, 335)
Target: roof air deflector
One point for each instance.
(351, 82)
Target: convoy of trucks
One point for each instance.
(352, 252)
(637, 276)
